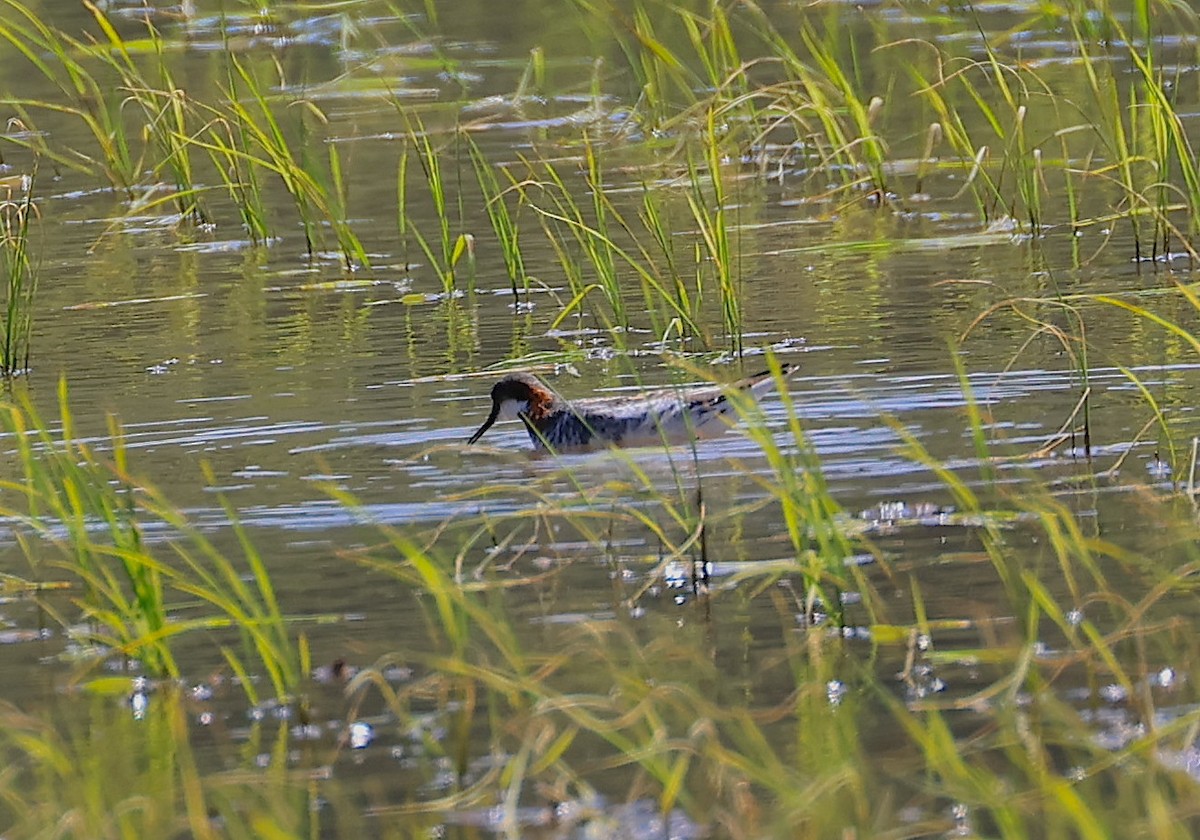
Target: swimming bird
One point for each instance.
(676, 415)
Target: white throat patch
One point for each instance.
(510, 409)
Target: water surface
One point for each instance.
(291, 378)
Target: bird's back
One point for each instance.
(674, 415)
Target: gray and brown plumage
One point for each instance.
(673, 415)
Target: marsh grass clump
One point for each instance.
(86, 95)
(626, 267)
(87, 767)
(166, 113)
(444, 251)
(83, 519)
(811, 104)
(20, 276)
(253, 137)
(504, 220)
(721, 85)
(146, 126)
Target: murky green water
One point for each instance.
(288, 375)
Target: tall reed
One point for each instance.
(504, 221)
(20, 279)
(711, 216)
(314, 183)
(444, 253)
(166, 111)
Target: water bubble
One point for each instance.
(361, 735)
(962, 820)
(1158, 468)
(138, 700)
(676, 575)
(1113, 693)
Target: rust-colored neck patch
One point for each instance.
(524, 387)
(540, 402)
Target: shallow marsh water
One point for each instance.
(290, 376)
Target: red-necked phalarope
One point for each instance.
(676, 415)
